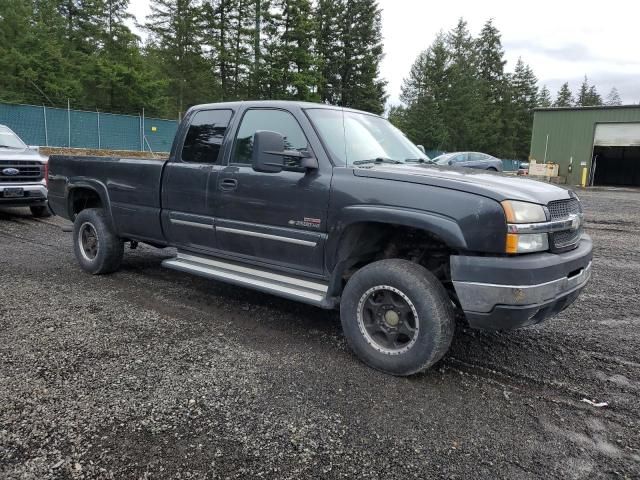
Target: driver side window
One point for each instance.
(461, 157)
(267, 120)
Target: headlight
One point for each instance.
(523, 212)
(520, 213)
(527, 243)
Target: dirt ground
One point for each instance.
(103, 153)
(151, 373)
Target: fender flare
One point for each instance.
(445, 228)
(94, 185)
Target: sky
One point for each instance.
(562, 40)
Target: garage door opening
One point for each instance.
(616, 166)
(616, 155)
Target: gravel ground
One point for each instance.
(151, 373)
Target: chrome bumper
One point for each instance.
(483, 297)
(502, 293)
(34, 193)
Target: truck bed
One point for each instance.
(130, 187)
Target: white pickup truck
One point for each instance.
(23, 173)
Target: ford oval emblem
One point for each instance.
(10, 172)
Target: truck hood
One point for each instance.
(492, 185)
(24, 154)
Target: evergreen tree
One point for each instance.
(525, 99)
(565, 97)
(397, 115)
(242, 47)
(218, 16)
(510, 120)
(116, 77)
(613, 99)
(360, 29)
(544, 97)
(460, 108)
(291, 63)
(82, 19)
(36, 63)
(423, 91)
(490, 61)
(175, 28)
(423, 124)
(428, 74)
(490, 68)
(327, 16)
(593, 97)
(583, 94)
(588, 95)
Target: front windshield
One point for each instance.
(354, 138)
(8, 139)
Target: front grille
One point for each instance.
(28, 171)
(566, 238)
(561, 210)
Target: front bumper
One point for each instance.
(34, 194)
(504, 293)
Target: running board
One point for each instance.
(293, 287)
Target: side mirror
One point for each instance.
(421, 148)
(268, 152)
(269, 155)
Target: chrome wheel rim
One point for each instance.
(388, 320)
(88, 241)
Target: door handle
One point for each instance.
(228, 184)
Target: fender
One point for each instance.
(90, 184)
(443, 227)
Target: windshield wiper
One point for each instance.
(419, 160)
(377, 160)
(10, 146)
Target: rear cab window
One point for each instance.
(204, 138)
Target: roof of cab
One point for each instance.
(274, 104)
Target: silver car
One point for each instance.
(478, 160)
(23, 172)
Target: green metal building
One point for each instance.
(604, 140)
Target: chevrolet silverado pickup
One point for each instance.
(22, 175)
(336, 208)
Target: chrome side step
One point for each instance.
(293, 287)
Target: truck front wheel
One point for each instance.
(397, 317)
(95, 244)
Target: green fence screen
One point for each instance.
(58, 127)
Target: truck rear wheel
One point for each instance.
(397, 317)
(95, 244)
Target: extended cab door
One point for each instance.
(190, 181)
(274, 218)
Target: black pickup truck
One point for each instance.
(335, 208)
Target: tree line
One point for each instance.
(458, 96)
(196, 51)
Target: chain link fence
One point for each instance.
(59, 127)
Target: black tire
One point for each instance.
(40, 211)
(492, 169)
(106, 257)
(428, 304)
